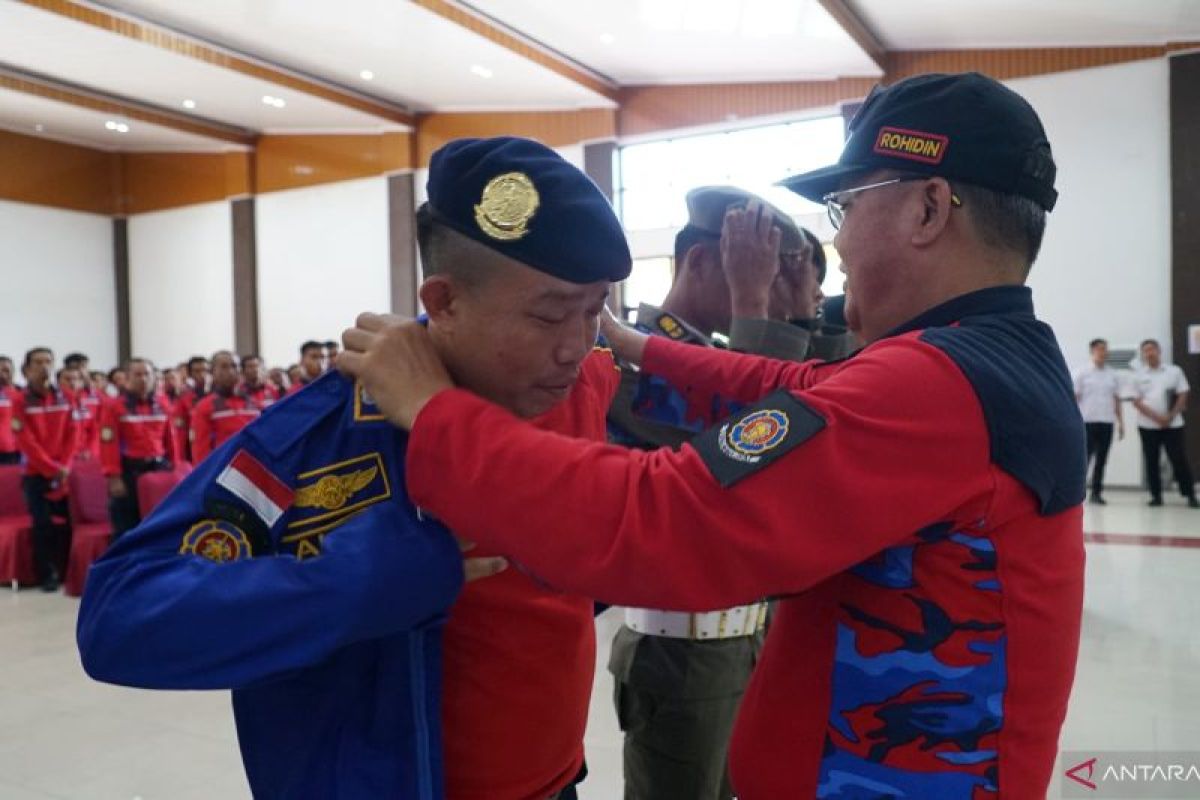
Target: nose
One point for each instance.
(576, 341)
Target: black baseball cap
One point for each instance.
(966, 126)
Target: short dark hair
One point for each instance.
(1094, 343)
(251, 357)
(33, 351)
(1149, 341)
(446, 252)
(688, 237)
(194, 360)
(74, 359)
(311, 344)
(818, 253)
(224, 353)
(115, 370)
(137, 360)
(6, 358)
(329, 343)
(1005, 221)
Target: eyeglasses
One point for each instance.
(837, 202)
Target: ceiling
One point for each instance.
(224, 57)
(64, 122)
(692, 41)
(954, 24)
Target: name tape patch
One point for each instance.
(928, 148)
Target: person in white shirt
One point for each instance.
(1098, 393)
(1161, 396)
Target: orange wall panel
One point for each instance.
(648, 109)
(290, 162)
(551, 128)
(49, 173)
(155, 181)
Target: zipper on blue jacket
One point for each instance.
(416, 653)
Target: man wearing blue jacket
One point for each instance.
(291, 567)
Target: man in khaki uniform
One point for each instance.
(680, 677)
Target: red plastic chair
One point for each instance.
(16, 531)
(91, 529)
(153, 487)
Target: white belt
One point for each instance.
(728, 624)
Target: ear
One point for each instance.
(440, 296)
(937, 204)
(705, 261)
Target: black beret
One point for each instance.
(523, 200)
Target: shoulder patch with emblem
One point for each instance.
(326, 496)
(365, 409)
(756, 437)
(216, 540)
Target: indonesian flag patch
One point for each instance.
(256, 486)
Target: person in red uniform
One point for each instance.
(224, 411)
(47, 434)
(89, 401)
(261, 392)
(312, 365)
(916, 507)
(197, 389)
(135, 438)
(9, 452)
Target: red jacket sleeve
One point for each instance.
(38, 459)
(732, 376)
(201, 432)
(170, 438)
(110, 431)
(904, 446)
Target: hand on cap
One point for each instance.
(396, 362)
(627, 344)
(750, 258)
(791, 292)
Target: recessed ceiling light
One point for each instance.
(119, 127)
(481, 71)
(39, 128)
(276, 102)
(189, 103)
(607, 38)
(367, 75)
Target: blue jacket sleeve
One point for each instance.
(155, 616)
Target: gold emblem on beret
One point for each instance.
(509, 201)
(333, 491)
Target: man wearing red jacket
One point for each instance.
(135, 438)
(224, 411)
(87, 404)
(47, 434)
(916, 507)
(9, 453)
(197, 389)
(261, 391)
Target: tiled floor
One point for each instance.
(63, 736)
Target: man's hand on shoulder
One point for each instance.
(396, 361)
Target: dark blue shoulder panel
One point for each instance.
(1017, 370)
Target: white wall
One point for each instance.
(56, 276)
(322, 259)
(181, 282)
(1105, 265)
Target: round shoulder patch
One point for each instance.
(217, 540)
(758, 432)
